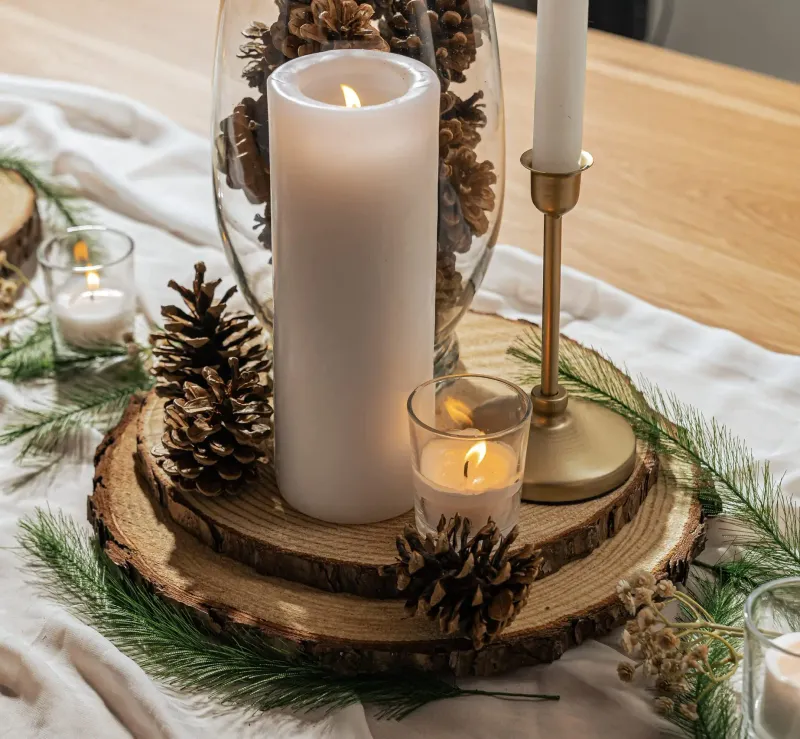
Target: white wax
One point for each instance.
(87, 318)
(485, 491)
(354, 206)
(561, 33)
(779, 712)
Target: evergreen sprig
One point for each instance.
(96, 401)
(33, 356)
(765, 526)
(64, 205)
(240, 668)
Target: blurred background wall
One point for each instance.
(762, 35)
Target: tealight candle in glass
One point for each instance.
(88, 272)
(469, 435)
(771, 674)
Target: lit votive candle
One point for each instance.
(469, 437)
(89, 277)
(780, 701)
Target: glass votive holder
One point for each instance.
(771, 671)
(469, 436)
(89, 278)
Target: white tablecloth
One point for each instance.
(150, 178)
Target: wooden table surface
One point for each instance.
(694, 200)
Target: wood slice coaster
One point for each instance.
(352, 633)
(20, 225)
(259, 529)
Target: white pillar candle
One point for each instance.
(779, 713)
(478, 480)
(561, 33)
(90, 312)
(354, 206)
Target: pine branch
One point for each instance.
(30, 356)
(95, 402)
(62, 201)
(716, 706)
(765, 525)
(242, 668)
(34, 356)
(742, 487)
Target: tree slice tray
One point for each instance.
(259, 529)
(20, 224)
(360, 634)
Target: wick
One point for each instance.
(466, 468)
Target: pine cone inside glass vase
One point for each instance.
(203, 335)
(455, 27)
(242, 149)
(340, 24)
(472, 586)
(262, 50)
(216, 435)
(472, 181)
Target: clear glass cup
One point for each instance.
(771, 672)
(89, 278)
(469, 436)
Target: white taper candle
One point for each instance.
(561, 34)
(354, 207)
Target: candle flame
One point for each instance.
(80, 251)
(459, 411)
(351, 99)
(476, 453)
(92, 280)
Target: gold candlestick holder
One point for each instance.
(576, 449)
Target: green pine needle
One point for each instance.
(96, 401)
(64, 207)
(33, 357)
(735, 483)
(765, 529)
(240, 668)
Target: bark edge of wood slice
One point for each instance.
(259, 529)
(354, 634)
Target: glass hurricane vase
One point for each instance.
(457, 38)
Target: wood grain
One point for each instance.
(359, 634)
(259, 529)
(20, 224)
(692, 203)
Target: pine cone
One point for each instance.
(452, 24)
(454, 234)
(243, 149)
(262, 53)
(472, 181)
(470, 586)
(469, 112)
(217, 433)
(340, 24)
(263, 224)
(203, 337)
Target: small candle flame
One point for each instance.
(351, 99)
(475, 455)
(80, 251)
(459, 411)
(92, 280)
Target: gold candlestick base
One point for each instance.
(577, 449)
(581, 453)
